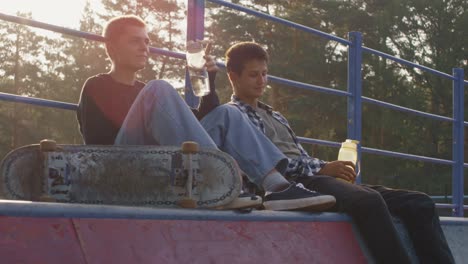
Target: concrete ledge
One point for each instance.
(39, 209)
(456, 232)
(56, 232)
(68, 233)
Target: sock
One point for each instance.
(274, 182)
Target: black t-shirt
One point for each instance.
(104, 104)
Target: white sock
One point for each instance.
(274, 182)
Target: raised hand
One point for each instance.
(210, 61)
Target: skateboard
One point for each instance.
(159, 176)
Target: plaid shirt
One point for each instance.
(303, 165)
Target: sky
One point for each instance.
(65, 13)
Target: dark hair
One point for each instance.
(116, 26)
(240, 53)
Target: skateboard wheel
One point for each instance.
(48, 145)
(187, 203)
(46, 198)
(189, 147)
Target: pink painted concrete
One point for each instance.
(52, 240)
(38, 240)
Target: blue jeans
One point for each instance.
(234, 134)
(159, 116)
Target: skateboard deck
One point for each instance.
(124, 175)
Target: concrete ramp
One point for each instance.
(60, 240)
(67, 233)
(456, 232)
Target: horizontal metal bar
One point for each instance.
(58, 29)
(443, 205)
(405, 109)
(301, 85)
(409, 156)
(77, 33)
(446, 196)
(307, 86)
(37, 101)
(377, 151)
(168, 53)
(39, 209)
(319, 142)
(409, 63)
(281, 21)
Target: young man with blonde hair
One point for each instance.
(116, 108)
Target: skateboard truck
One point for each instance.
(189, 148)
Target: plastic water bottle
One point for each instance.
(196, 66)
(348, 151)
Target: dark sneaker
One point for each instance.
(245, 200)
(297, 197)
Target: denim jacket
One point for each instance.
(303, 165)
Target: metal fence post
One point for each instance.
(355, 89)
(458, 141)
(195, 30)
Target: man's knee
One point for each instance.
(228, 113)
(369, 201)
(419, 204)
(159, 88)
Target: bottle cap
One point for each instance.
(350, 143)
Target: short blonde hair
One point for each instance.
(116, 26)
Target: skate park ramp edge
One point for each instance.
(77, 233)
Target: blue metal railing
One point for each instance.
(275, 19)
(355, 90)
(408, 63)
(37, 101)
(195, 30)
(458, 130)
